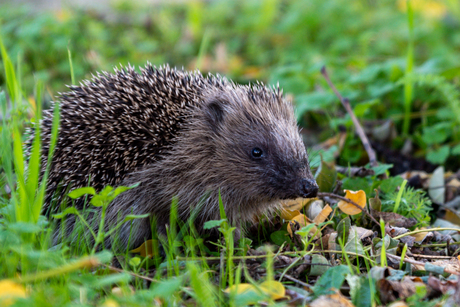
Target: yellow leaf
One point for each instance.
(419, 237)
(110, 303)
(288, 214)
(274, 288)
(146, 249)
(31, 100)
(10, 291)
(322, 216)
(301, 219)
(429, 8)
(240, 288)
(398, 304)
(335, 299)
(358, 197)
(295, 204)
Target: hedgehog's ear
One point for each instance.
(215, 113)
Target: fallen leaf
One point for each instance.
(10, 291)
(454, 183)
(375, 203)
(358, 197)
(319, 265)
(420, 237)
(326, 176)
(322, 216)
(442, 286)
(436, 186)
(146, 249)
(274, 289)
(300, 220)
(288, 214)
(394, 219)
(296, 204)
(110, 303)
(398, 304)
(239, 288)
(393, 290)
(314, 208)
(452, 264)
(331, 300)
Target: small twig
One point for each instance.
(429, 256)
(297, 281)
(130, 273)
(424, 230)
(297, 253)
(354, 171)
(447, 270)
(351, 202)
(359, 130)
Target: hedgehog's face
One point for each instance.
(256, 142)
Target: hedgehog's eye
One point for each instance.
(257, 153)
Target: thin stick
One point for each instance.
(351, 202)
(447, 270)
(297, 281)
(425, 230)
(429, 256)
(359, 130)
(130, 273)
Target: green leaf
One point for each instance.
(69, 210)
(356, 184)
(131, 217)
(305, 231)
(381, 169)
(122, 189)
(326, 176)
(134, 261)
(212, 224)
(165, 289)
(221, 207)
(319, 269)
(82, 191)
(456, 150)
(104, 256)
(361, 108)
(280, 237)
(313, 102)
(437, 134)
(438, 156)
(375, 203)
(362, 290)
(25, 227)
(111, 279)
(354, 244)
(391, 184)
(10, 76)
(343, 229)
(332, 279)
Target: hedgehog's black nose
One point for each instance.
(309, 188)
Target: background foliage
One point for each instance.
(364, 45)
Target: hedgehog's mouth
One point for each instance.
(306, 188)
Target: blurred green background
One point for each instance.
(365, 46)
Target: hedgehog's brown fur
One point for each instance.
(178, 134)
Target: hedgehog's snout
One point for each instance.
(308, 188)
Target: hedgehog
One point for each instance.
(178, 134)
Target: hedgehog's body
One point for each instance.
(178, 134)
